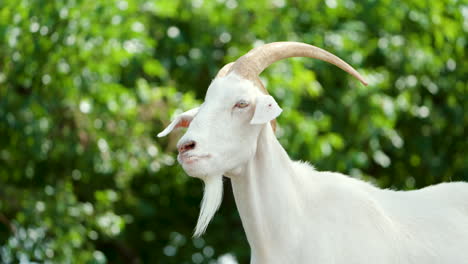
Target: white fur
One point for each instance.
(292, 213)
(212, 197)
(266, 109)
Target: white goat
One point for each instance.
(292, 213)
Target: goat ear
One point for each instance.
(266, 109)
(182, 120)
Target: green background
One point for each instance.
(85, 86)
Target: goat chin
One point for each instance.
(212, 197)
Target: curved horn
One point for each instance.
(255, 61)
(224, 70)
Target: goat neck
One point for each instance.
(266, 196)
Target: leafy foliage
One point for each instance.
(86, 85)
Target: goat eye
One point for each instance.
(241, 104)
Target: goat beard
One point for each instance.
(212, 197)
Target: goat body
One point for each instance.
(294, 214)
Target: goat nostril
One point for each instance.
(187, 146)
(191, 145)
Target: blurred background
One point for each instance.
(85, 86)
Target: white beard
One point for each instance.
(212, 197)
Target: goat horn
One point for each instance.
(255, 61)
(224, 70)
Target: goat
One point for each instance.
(292, 213)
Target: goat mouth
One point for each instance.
(187, 158)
